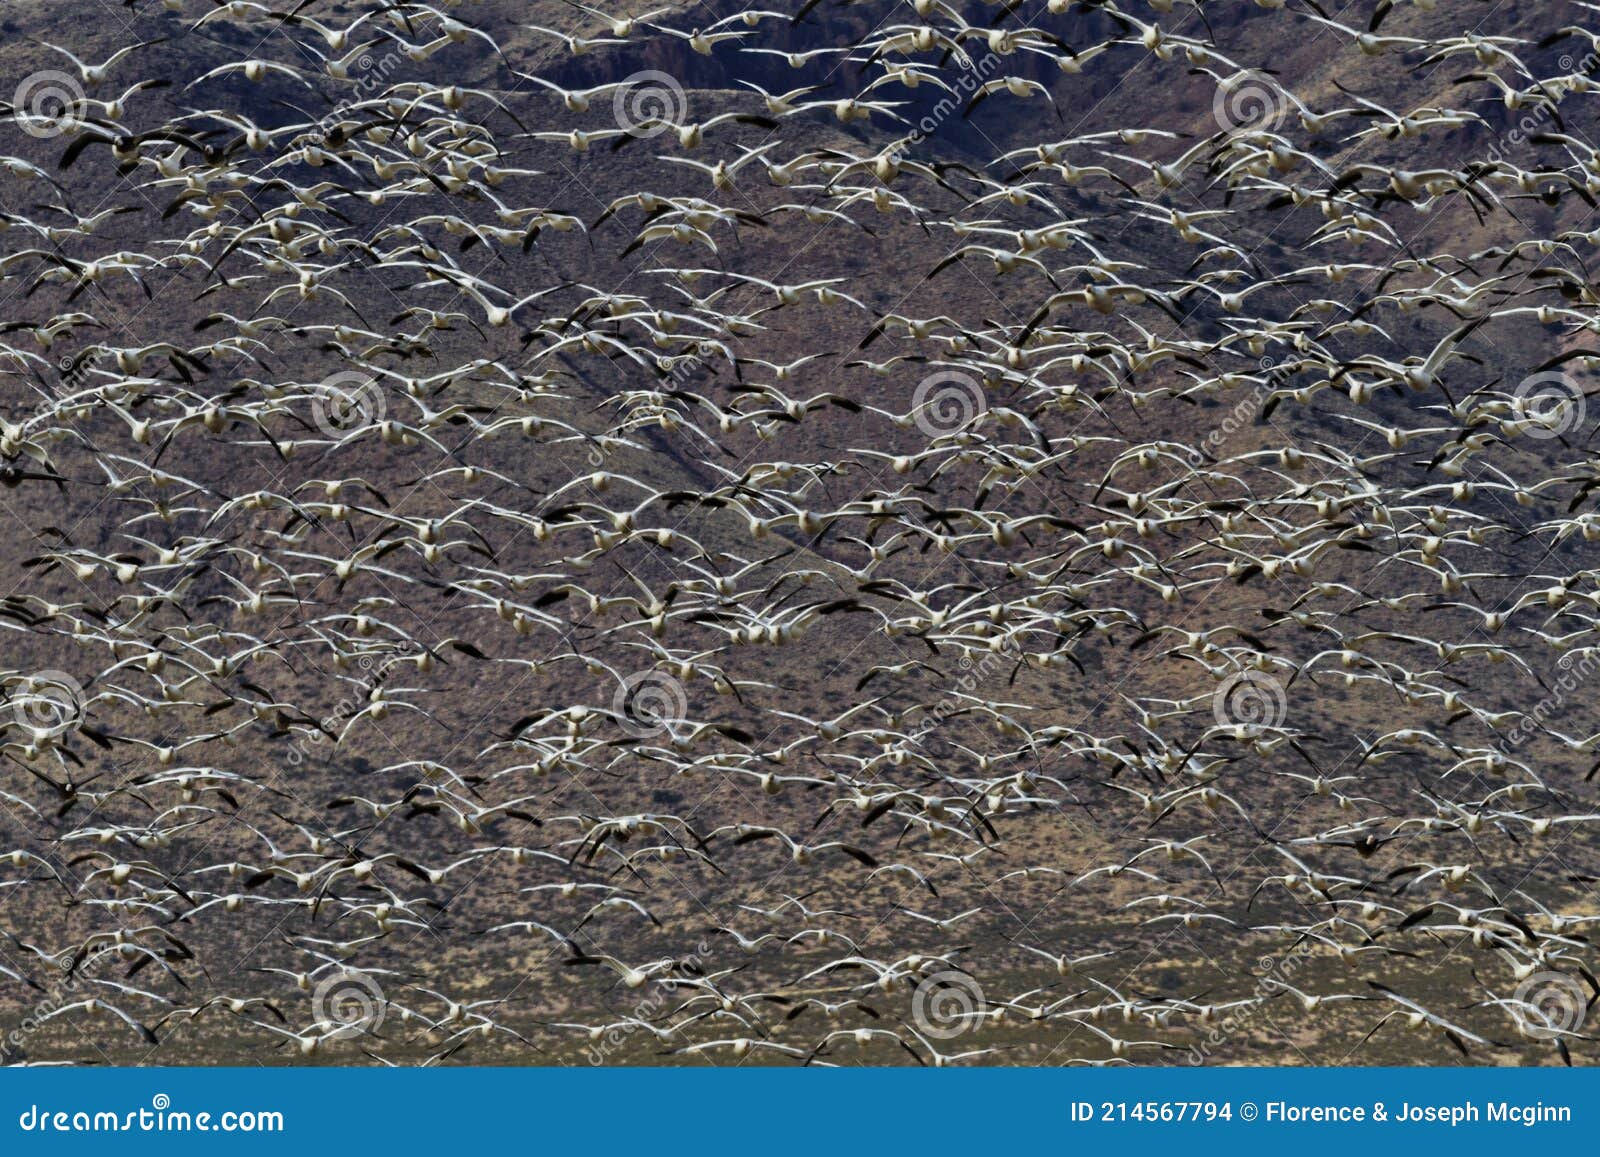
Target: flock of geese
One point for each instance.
(865, 532)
